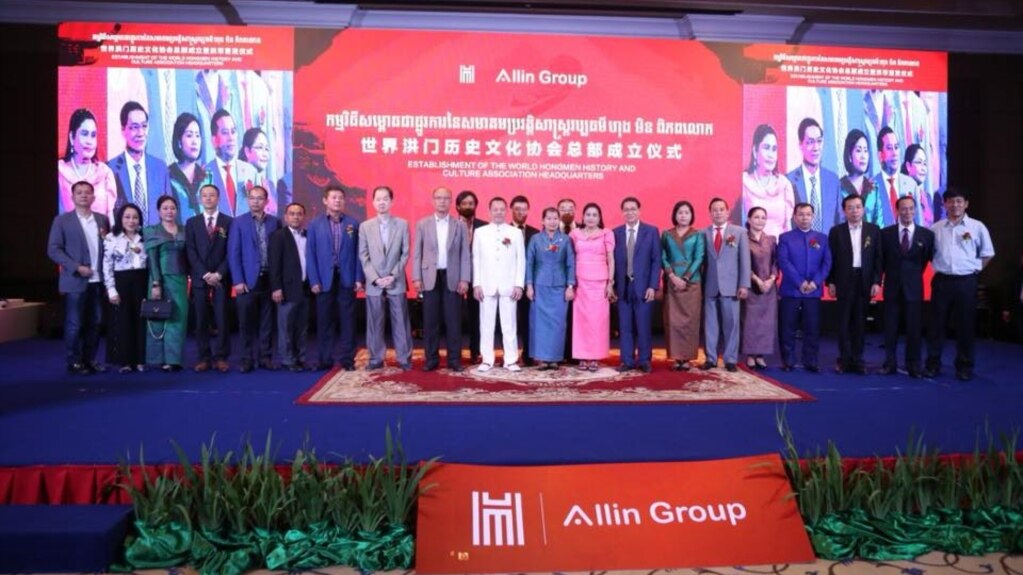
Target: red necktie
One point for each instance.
(893, 196)
(717, 241)
(229, 182)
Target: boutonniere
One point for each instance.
(814, 244)
(552, 248)
(866, 242)
(136, 249)
(222, 232)
(730, 240)
(967, 237)
(506, 241)
(103, 233)
(350, 230)
(920, 244)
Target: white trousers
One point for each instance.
(488, 312)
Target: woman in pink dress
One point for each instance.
(81, 163)
(764, 187)
(594, 268)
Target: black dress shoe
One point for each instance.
(731, 367)
(623, 368)
(296, 368)
(267, 365)
(97, 367)
(457, 368)
(839, 368)
(964, 374)
(645, 368)
(79, 369)
(858, 369)
(786, 367)
(430, 367)
(708, 365)
(245, 367)
(373, 366)
(915, 373)
(930, 372)
(812, 368)
(528, 362)
(888, 369)
(324, 366)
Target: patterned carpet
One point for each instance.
(566, 385)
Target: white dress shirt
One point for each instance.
(856, 235)
(442, 241)
(300, 242)
(91, 230)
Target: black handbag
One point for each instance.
(157, 309)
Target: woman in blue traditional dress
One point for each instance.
(550, 285)
(168, 275)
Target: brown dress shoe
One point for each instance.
(202, 366)
(222, 366)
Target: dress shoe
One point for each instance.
(296, 368)
(624, 368)
(513, 367)
(373, 366)
(430, 367)
(731, 367)
(267, 365)
(202, 366)
(456, 368)
(528, 362)
(484, 367)
(405, 366)
(786, 367)
(245, 367)
(930, 372)
(858, 369)
(708, 365)
(324, 366)
(812, 368)
(964, 374)
(78, 369)
(97, 367)
(761, 364)
(888, 369)
(166, 368)
(915, 373)
(126, 369)
(645, 368)
(222, 366)
(839, 368)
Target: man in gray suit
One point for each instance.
(442, 276)
(813, 183)
(76, 245)
(383, 251)
(726, 281)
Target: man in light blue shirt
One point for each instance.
(962, 248)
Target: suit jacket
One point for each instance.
(545, 267)
(319, 253)
(904, 186)
(729, 270)
(425, 250)
(243, 247)
(68, 248)
(157, 184)
(803, 256)
(903, 273)
(245, 176)
(286, 266)
(829, 190)
(379, 260)
(646, 260)
(840, 244)
(498, 267)
(206, 254)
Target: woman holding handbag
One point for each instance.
(124, 276)
(168, 275)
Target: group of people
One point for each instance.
(735, 288)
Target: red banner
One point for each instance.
(476, 519)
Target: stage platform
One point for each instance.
(49, 418)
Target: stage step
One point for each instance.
(48, 538)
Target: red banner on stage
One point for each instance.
(476, 519)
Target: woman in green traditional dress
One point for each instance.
(168, 274)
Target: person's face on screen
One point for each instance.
(225, 139)
(257, 201)
(259, 154)
(382, 202)
(168, 212)
(191, 141)
(83, 196)
(630, 211)
(812, 146)
(683, 216)
(520, 211)
(136, 130)
(853, 210)
(334, 202)
(719, 213)
(294, 217)
(209, 197)
(917, 167)
(551, 221)
(890, 153)
(130, 220)
(758, 220)
(442, 201)
(907, 211)
(83, 141)
(566, 210)
(591, 218)
(860, 156)
(497, 212)
(804, 218)
(467, 207)
(767, 154)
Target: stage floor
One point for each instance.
(48, 417)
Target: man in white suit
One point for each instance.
(498, 275)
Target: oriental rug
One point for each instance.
(566, 385)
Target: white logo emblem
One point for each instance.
(467, 74)
(497, 521)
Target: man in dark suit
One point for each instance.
(335, 276)
(206, 243)
(288, 287)
(520, 212)
(76, 245)
(465, 204)
(141, 178)
(248, 256)
(804, 260)
(440, 271)
(854, 279)
(637, 275)
(813, 183)
(906, 249)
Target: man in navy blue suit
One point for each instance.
(813, 183)
(335, 276)
(206, 244)
(141, 178)
(248, 253)
(637, 274)
(805, 260)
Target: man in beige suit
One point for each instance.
(498, 274)
(442, 276)
(383, 251)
